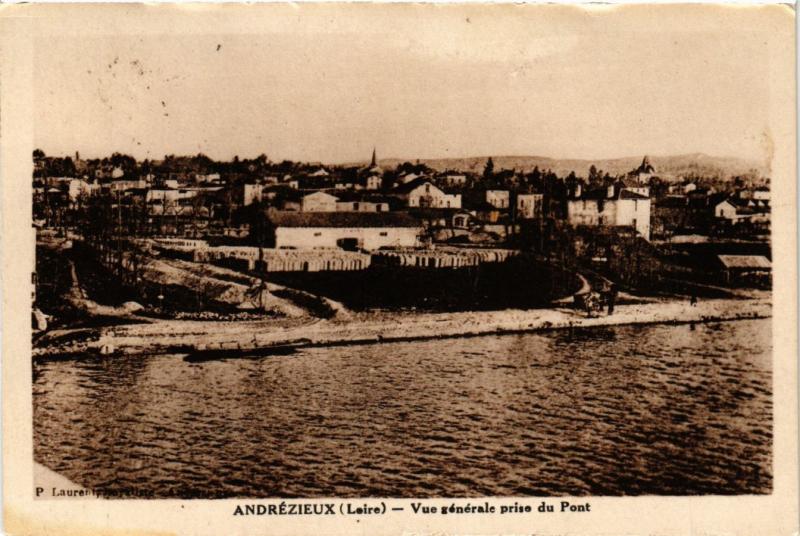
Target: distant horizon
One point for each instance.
(415, 159)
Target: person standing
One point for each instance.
(612, 298)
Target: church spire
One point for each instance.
(374, 161)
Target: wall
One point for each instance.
(327, 237)
(587, 212)
(529, 205)
(319, 202)
(634, 211)
(252, 193)
(725, 210)
(615, 213)
(497, 198)
(428, 195)
(361, 206)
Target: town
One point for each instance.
(187, 237)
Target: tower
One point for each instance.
(374, 160)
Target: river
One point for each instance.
(660, 409)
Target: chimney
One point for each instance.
(610, 193)
(577, 191)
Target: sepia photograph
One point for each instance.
(270, 266)
(409, 252)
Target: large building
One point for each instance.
(421, 193)
(530, 206)
(346, 230)
(498, 198)
(614, 206)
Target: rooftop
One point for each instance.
(341, 219)
(745, 261)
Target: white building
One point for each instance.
(761, 194)
(422, 194)
(615, 206)
(79, 187)
(252, 193)
(497, 198)
(530, 206)
(348, 230)
(318, 202)
(725, 210)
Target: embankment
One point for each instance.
(184, 336)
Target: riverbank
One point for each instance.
(176, 336)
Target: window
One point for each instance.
(318, 233)
(427, 188)
(384, 233)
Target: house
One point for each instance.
(735, 210)
(725, 210)
(682, 188)
(529, 206)
(614, 206)
(318, 202)
(362, 206)
(452, 180)
(369, 182)
(252, 193)
(356, 202)
(121, 185)
(639, 189)
(79, 187)
(161, 200)
(421, 193)
(761, 194)
(498, 198)
(461, 219)
(347, 230)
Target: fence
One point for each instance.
(442, 257)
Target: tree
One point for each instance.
(594, 174)
(488, 171)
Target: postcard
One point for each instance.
(359, 268)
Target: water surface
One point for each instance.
(623, 411)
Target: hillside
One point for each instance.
(667, 166)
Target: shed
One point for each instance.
(745, 268)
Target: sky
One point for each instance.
(324, 85)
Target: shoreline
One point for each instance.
(182, 336)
